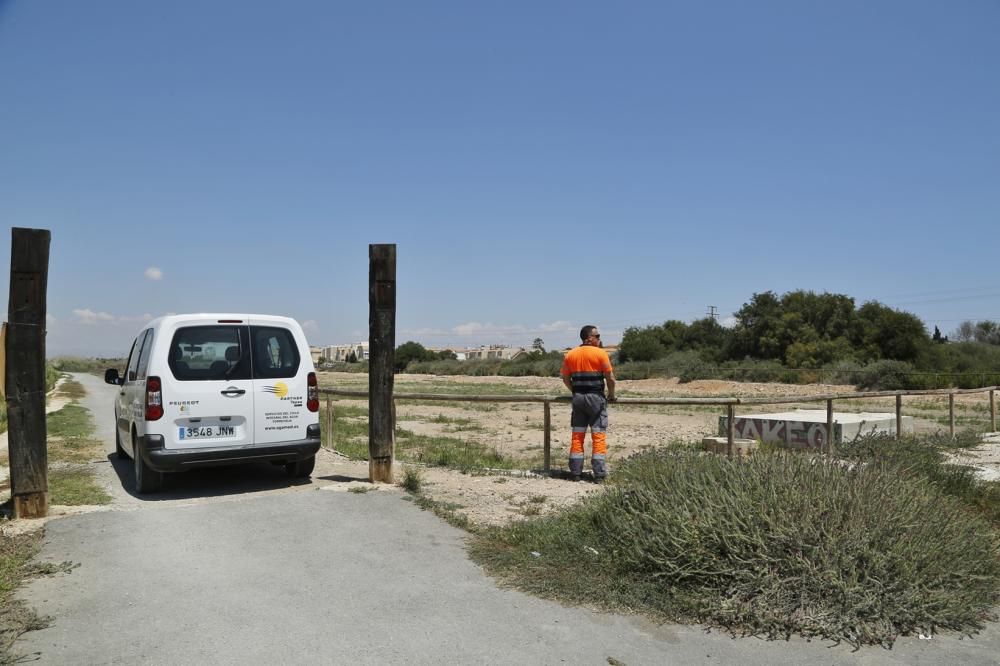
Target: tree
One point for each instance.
(409, 352)
(966, 332)
(640, 344)
(353, 358)
(538, 345)
(891, 334)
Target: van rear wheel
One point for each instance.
(119, 449)
(301, 469)
(147, 480)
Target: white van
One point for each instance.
(217, 389)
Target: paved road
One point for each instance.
(315, 574)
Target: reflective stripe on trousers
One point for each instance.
(590, 410)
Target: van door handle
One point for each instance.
(233, 391)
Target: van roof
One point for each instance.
(214, 317)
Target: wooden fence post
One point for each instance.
(951, 414)
(547, 441)
(993, 412)
(829, 427)
(730, 429)
(329, 423)
(899, 416)
(25, 372)
(382, 348)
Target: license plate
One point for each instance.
(204, 432)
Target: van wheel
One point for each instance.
(119, 449)
(147, 480)
(301, 469)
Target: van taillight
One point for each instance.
(154, 399)
(312, 394)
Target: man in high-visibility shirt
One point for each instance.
(585, 370)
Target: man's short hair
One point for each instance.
(586, 331)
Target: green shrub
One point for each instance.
(413, 480)
(886, 376)
(772, 545)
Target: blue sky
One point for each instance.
(540, 165)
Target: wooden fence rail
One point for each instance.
(729, 403)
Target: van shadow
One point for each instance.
(208, 481)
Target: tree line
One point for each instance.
(803, 330)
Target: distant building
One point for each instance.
(342, 353)
(498, 352)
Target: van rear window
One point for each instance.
(205, 353)
(275, 353)
(220, 353)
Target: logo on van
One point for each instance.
(279, 389)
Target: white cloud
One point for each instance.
(729, 322)
(310, 326)
(558, 327)
(90, 317)
(154, 273)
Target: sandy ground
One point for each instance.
(515, 429)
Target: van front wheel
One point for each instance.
(301, 469)
(147, 480)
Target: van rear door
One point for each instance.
(208, 400)
(280, 381)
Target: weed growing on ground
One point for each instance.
(75, 450)
(927, 457)
(771, 545)
(75, 487)
(70, 421)
(413, 480)
(359, 490)
(16, 554)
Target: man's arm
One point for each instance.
(568, 383)
(609, 377)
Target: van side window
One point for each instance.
(147, 345)
(132, 351)
(275, 353)
(133, 359)
(209, 353)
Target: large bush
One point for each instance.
(774, 545)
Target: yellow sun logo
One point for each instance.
(279, 389)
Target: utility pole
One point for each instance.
(712, 314)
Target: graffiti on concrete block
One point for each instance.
(799, 434)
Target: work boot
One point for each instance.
(574, 477)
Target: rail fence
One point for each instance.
(729, 403)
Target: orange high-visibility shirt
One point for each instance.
(586, 366)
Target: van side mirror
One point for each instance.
(111, 377)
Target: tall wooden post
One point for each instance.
(381, 356)
(25, 372)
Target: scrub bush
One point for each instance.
(773, 545)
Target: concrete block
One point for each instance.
(741, 446)
(806, 428)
